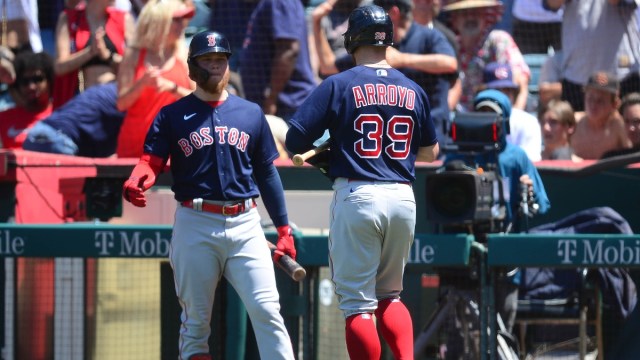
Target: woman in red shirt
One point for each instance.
(90, 41)
(154, 71)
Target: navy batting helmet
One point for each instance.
(368, 25)
(205, 42)
(208, 42)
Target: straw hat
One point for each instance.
(471, 4)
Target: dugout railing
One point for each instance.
(60, 262)
(64, 250)
(64, 258)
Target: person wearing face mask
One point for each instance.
(479, 45)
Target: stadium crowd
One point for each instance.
(582, 87)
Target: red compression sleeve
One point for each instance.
(362, 337)
(396, 327)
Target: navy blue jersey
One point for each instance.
(423, 40)
(91, 119)
(213, 150)
(270, 21)
(377, 119)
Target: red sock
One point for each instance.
(362, 337)
(396, 327)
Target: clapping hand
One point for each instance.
(98, 46)
(153, 78)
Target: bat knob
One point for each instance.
(297, 160)
(299, 274)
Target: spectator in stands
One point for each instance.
(32, 91)
(425, 12)
(536, 29)
(20, 19)
(598, 35)
(600, 128)
(20, 32)
(90, 41)
(330, 19)
(424, 55)
(550, 79)
(630, 110)
(275, 66)
(87, 125)
(154, 70)
(7, 77)
(524, 127)
(558, 123)
(504, 17)
(7, 72)
(124, 5)
(231, 18)
(472, 20)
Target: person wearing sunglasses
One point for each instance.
(31, 92)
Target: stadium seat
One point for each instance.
(582, 307)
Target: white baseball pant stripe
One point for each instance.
(207, 246)
(371, 232)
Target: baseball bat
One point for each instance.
(299, 159)
(288, 265)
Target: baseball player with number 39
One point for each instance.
(379, 124)
(222, 154)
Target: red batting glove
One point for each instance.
(142, 178)
(132, 190)
(285, 243)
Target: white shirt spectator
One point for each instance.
(27, 10)
(525, 132)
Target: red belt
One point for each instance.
(224, 209)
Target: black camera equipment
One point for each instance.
(467, 196)
(462, 194)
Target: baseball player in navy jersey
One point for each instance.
(379, 124)
(222, 153)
